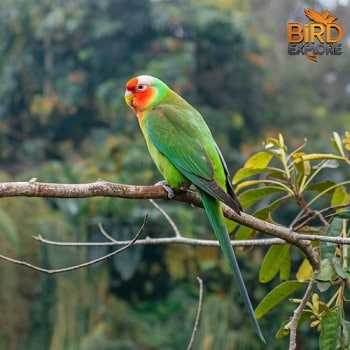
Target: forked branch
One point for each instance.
(33, 188)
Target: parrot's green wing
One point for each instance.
(183, 137)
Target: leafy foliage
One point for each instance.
(292, 178)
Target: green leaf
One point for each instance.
(278, 175)
(259, 160)
(285, 266)
(347, 271)
(274, 145)
(340, 196)
(341, 272)
(330, 330)
(305, 271)
(342, 215)
(257, 183)
(323, 286)
(250, 197)
(245, 232)
(271, 143)
(276, 259)
(302, 166)
(334, 229)
(284, 332)
(230, 225)
(320, 187)
(244, 173)
(346, 333)
(327, 272)
(277, 295)
(338, 144)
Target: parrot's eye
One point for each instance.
(141, 87)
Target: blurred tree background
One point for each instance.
(63, 66)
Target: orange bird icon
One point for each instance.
(317, 17)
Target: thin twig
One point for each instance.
(199, 310)
(299, 224)
(194, 241)
(75, 267)
(308, 211)
(112, 241)
(167, 217)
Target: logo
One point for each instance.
(319, 37)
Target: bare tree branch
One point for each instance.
(75, 267)
(193, 241)
(293, 324)
(33, 188)
(167, 240)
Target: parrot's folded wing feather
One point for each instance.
(237, 204)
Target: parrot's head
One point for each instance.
(144, 92)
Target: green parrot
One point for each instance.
(184, 151)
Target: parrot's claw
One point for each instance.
(167, 188)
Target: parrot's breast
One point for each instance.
(173, 177)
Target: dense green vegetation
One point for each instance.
(63, 66)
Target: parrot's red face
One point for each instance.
(140, 93)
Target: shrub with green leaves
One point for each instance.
(308, 185)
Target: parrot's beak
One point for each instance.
(128, 97)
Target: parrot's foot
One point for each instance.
(167, 188)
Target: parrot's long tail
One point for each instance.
(214, 211)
